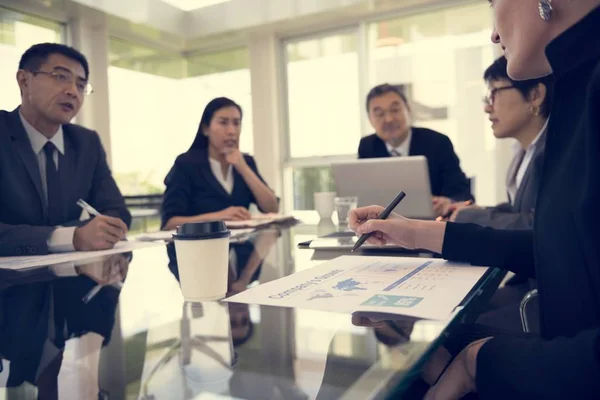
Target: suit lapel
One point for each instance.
(209, 177)
(23, 149)
(519, 196)
(67, 165)
(236, 193)
(513, 168)
(517, 204)
(525, 182)
(379, 148)
(415, 148)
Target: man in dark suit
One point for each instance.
(394, 136)
(47, 164)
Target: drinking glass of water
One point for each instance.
(343, 205)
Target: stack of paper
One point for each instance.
(239, 229)
(259, 221)
(167, 236)
(27, 262)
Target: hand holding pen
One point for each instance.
(369, 220)
(101, 233)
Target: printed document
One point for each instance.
(27, 262)
(260, 221)
(415, 287)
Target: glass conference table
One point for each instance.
(140, 340)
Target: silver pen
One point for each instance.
(94, 291)
(91, 210)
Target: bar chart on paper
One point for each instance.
(417, 287)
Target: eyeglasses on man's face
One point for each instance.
(379, 114)
(66, 78)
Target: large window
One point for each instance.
(156, 102)
(439, 58)
(18, 32)
(323, 107)
(324, 115)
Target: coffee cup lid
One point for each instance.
(202, 231)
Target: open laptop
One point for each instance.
(376, 181)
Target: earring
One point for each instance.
(535, 110)
(545, 9)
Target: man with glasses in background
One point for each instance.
(390, 116)
(47, 164)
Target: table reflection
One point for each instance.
(202, 352)
(39, 320)
(199, 357)
(145, 342)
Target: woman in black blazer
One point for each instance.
(213, 179)
(563, 249)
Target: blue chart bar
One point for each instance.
(407, 277)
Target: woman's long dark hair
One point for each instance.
(201, 140)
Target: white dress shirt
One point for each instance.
(513, 186)
(225, 181)
(401, 150)
(61, 238)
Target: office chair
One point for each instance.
(529, 300)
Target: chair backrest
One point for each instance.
(529, 311)
(152, 201)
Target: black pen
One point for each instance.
(386, 213)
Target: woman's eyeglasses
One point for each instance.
(491, 97)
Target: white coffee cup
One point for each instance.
(202, 260)
(324, 203)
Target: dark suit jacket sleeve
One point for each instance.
(12, 243)
(252, 164)
(496, 219)
(520, 368)
(105, 195)
(178, 194)
(511, 250)
(455, 183)
(502, 207)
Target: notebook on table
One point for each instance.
(260, 221)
